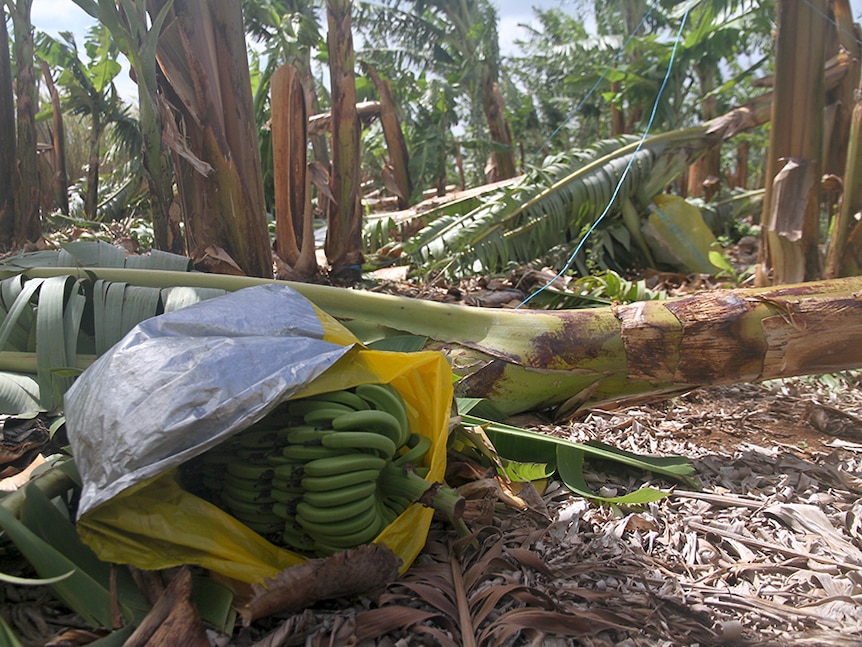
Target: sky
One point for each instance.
(52, 16)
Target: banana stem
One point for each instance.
(403, 481)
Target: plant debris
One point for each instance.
(767, 553)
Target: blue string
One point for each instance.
(597, 83)
(831, 21)
(628, 166)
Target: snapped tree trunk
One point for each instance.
(7, 134)
(502, 153)
(91, 199)
(344, 232)
(60, 181)
(398, 157)
(27, 225)
(845, 43)
(526, 360)
(844, 257)
(203, 57)
(294, 231)
(704, 176)
(790, 233)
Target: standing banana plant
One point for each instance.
(7, 134)
(89, 90)
(27, 226)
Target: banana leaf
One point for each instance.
(515, 443)
(521, 221)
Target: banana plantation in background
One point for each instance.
(427, 147)
(310, 143)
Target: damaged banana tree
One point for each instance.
(525, 360)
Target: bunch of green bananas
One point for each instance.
(324, 473)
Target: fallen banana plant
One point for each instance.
(519, 359)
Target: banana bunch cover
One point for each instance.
(324, 473)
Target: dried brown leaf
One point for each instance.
(435, 596)
(350, 572)
(174, 620)
(375, 623)
(584, 623)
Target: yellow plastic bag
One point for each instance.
(154, 523)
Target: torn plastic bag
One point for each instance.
(183, 382)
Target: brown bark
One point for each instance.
(398, 156)
(27, 224)
(293, 218)
(845, 44)
(503, 158)
(91, 198)
(704, 175)
(7, 134)
(796, 133)
(344, 232)
(203, 57)
(60, 180)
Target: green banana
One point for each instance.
(417, 446)
(297, 538)
(256, 438)
(380, 422)
(246, 455)
(397, 503)
(291, 473)
(301, 408)
(337, 481)
(324, 414)
(349, 540)
(340, 496)
(288, 485)
(231, 482)
(264, 527)
(306, 434)
(387, 512)
(385, 397)
(404, 482)
(314, 515)
(286, 496)
(250, 496)
(250, 471)
(277, 460)
(345, 525)
(342, 464)
(310, 452)
(346, 398)
(362, 441)
(284, 510)
(245, 508)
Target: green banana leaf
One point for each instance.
(72, 319)
(522, 221)
(84, 593)
(7, 637)
(568, 457)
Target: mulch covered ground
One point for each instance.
(765, 552)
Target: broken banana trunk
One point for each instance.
(568, 359)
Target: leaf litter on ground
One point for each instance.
(766, 552)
